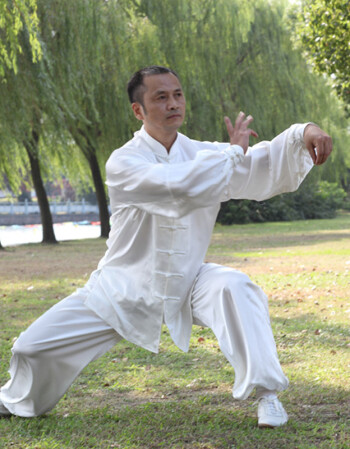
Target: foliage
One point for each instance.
(324, 29)
(234, 56)
(27, 102)
(74, 92)
(230, 55)
(311, 201)
(85, 42)
(26, 96)
(16, 16)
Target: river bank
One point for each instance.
(32, 233)
(32, 219)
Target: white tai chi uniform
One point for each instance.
(164, 206)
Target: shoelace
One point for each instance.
(272, 406)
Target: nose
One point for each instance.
(172, 103)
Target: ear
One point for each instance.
(138, 110)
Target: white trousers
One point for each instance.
(50, 354)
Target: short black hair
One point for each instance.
(135, 83)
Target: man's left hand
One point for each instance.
(318, 143)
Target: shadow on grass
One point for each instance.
(208, 420)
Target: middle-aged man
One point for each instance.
(165, 192)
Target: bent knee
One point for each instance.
(24, 347)
(241, 288)
(232, 280)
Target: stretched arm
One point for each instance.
(172, 190)
(216, 175)
(317, 142)
(278, 166)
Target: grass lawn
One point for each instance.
(131, 398)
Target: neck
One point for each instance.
(166, 140)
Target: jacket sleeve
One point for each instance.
(172, 190)
(272, 168)
(213, 176)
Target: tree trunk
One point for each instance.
(100, 193)
(31, 147)
(82, 139)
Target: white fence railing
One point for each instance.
(68, 207)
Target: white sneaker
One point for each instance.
(271, 412)
(4, 411)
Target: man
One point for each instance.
(165, 192)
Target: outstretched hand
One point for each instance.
(240, 133)
(318, 143)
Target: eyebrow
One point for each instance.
(158, 92)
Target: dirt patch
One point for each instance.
(116, 400)
(66, 259)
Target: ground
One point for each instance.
(131, 398)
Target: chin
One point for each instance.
(175, 122)
(174, 127)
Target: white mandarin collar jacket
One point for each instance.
(164, 208)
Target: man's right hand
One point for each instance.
(240, 133)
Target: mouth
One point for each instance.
(174, 116)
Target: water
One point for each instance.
(17, 235)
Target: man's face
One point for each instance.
(163, 109)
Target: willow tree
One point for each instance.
(234, 56)
(14, 18)
(202, 41)
(85, 41)
(24, 96)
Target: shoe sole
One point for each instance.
(266, 426)
(270, 426)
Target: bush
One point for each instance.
(320, 200)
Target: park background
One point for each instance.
(64, 66)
